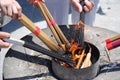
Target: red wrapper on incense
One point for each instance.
(112, 39)
(113, 44)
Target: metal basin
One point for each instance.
(65, 73)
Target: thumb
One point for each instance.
(4, 34)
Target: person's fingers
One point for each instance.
(76, 5)
(86, 9)
(32, 1)
(15, 12)
(4, 44)
(88, 5)
(18, 10)
(3, 6)
(4, 34)
(9, 9)
(4, 9)
(20, 14)
(15, 16)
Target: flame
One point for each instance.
(63, 47)
(77, 51)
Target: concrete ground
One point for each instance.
(107, 17)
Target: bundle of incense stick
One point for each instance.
(37, 48)
(78, 29)
(113, 42)
(78, 34)
(81, 24)
(59, 36)
(112, 38)
(39, 33)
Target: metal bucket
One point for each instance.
(65, 73)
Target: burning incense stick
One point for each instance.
(39, 33)
(78, 33)
(80, 60)
(87, 61)
(82, 17)
(55, 26)
(78, 29)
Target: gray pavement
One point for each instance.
(108, 15)
(107, 20)
(24, 64)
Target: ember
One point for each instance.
(80, 56)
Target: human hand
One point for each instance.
(11, 8)
(3, 35)
(33, 1)
(77, 6)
